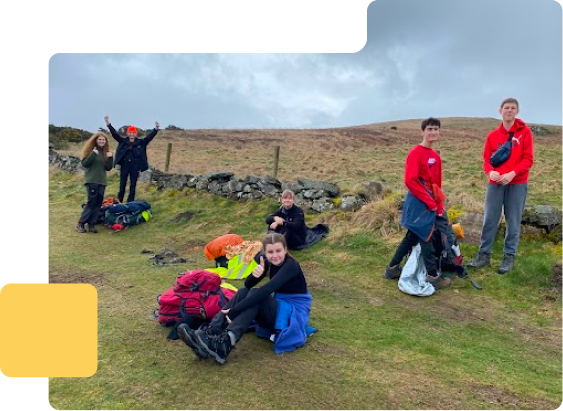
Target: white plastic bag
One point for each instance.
(413, 278)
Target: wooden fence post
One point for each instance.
(168, 153)
(276, 160)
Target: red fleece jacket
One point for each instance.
(521, 156)
(425, 163)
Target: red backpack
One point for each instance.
(196, 293)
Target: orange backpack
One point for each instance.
(216, 247)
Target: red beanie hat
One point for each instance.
(132, 129)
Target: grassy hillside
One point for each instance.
(348, 156)
(499, 348)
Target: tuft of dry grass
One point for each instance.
(382, 217)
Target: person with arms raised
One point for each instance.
(131, 155)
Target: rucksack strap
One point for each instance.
(223, 299)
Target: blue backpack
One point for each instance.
(128, 214)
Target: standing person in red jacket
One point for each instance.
(507, 187)
(131, 155)
(423, 178)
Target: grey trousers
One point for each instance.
(512, 198)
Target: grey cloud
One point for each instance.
(422, 57)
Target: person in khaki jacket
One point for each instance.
(97, 161)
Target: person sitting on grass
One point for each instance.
(289, 220)
(283, 317)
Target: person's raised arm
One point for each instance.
(113, 131)
(152, 134)
(257, 275)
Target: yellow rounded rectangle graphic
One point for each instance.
(49, 330)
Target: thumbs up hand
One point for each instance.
(259, 270)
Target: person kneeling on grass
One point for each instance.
(283, 317)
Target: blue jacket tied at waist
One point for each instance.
(292, 322)
(417, 217)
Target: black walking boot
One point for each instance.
(480, 260)
(92, 228)
(187, 335)
(80, 228)
(392, 273)
(507, 264)
(218, 346)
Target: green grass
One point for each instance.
(499, 348)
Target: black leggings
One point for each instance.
(264, 312)
(427, 251)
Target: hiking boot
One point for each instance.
(480, 260)
(392, 273)
(440, 282)
(461, 271)
(187, 335)
(206, 338)
(218, 346)
(80, 228)
(92, 229)
(507, 264)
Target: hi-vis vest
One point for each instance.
(237, 268)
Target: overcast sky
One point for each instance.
(439, 58)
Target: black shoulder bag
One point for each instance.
(503, 152)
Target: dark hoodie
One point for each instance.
(294, 221)
(521, 156)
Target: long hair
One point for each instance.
(92, 143)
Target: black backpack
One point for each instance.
(447, 251)
(446, 248)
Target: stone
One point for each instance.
(543, 216)
(351, 203)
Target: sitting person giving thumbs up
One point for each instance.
(285, 316)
